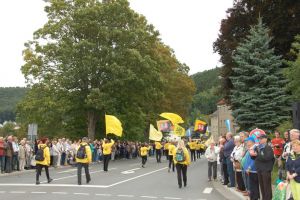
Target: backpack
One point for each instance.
(39, 156)
(81, 153)
(180, 155)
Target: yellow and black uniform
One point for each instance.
(144, 152)
(166, 150)
(181, 166)
(106, 154)
(192, 146)
(171, 150)
(158, 147)
(44, 149)
(198, 150)
(83, 161)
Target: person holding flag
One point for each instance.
(107, 147)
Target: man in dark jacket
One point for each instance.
(9, 155)
(228, 148)
(264, 161)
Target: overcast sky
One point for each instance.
(189, 27)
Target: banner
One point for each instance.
(179, 131)
(174, 118)
(200, 126)
(227, 124)
(154, 134)
(164, 126)
(113, 125)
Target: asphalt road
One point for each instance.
(124, 180)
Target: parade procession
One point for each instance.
(150, 99)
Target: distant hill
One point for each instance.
(207, 94)
(9, 97)
(207, 79)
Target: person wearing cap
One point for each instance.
(85, 161)
(264, 162)
(42, 145)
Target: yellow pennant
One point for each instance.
(154, 134)
(178, 130)
(174, 118)
(113, 125)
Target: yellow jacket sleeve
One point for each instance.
(47, 155)
(88, 153)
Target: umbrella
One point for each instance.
(174, 118)
(256, 133)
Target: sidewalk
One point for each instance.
(228, 193)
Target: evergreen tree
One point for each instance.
(258, 95)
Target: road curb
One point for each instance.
(228, 193)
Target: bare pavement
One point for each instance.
(124, 180)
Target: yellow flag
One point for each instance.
(178, 130)
(209, 140)
(174, 118)
(154, 134)
(113, 125)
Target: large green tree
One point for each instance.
(93, 58)
(282, 17)
(258, 95)
(293, 71)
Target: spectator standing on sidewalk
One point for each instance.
(15, 161)
(9, 155)
(22, 155)
(211, 155)
(228, 148)
(2, 154)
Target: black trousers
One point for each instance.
(171, 163)
(166, 153)
(225, 174)
(212, 169)
(240, 181)
(181, 174)
(254, 186)
(193, 155)
(158, 155)
(105, 162)
(265, 184)
(86, 170)
(198, 154)
(144, 160)
(8, 164)
(39, 171)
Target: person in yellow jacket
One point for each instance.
(144, 152)
(198, 150)
(166, 149)
(83, 159)
(181, 158)
(158, 147)
(106, 148)
(42, 160)
(192, 145)
(171, 149)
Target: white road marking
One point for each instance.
(17, 192)
(149, 197)
(38, 192)
(125, 195)
(56, 179)
(136, 177)
(136, 164)
(55, 185)
(130, 171)
(82, 194)
(106, 195)
(66, 171)
(172, 198)
(207, 190)
(59, 193)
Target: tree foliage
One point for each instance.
(292, 73)
(93, 58)
(258, 95)
(281, 17)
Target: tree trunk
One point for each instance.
(92, 120)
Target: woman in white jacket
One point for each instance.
(236, 158)
(211, 155)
